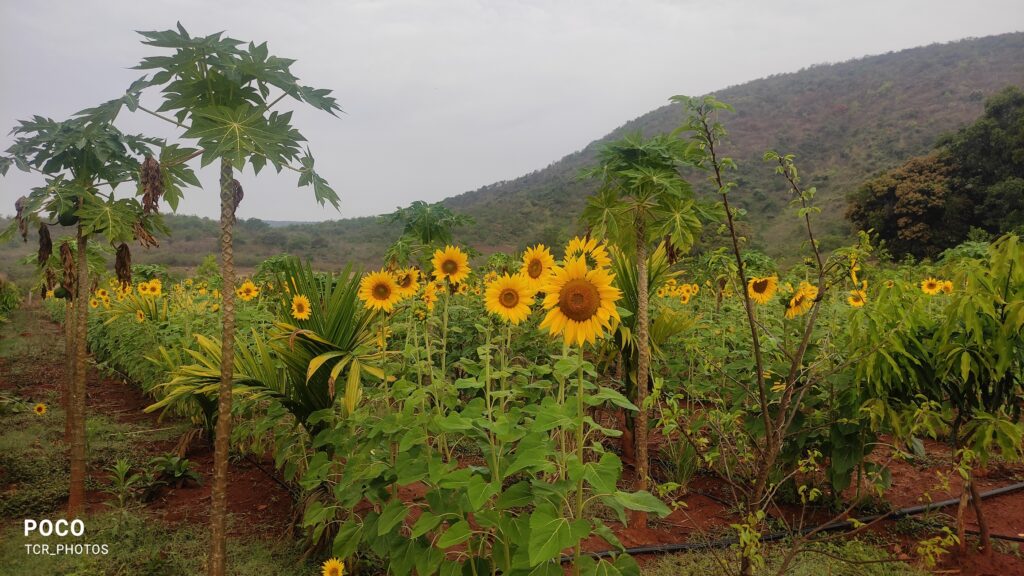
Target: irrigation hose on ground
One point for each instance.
(827, 527)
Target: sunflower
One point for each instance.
(300, 307)
(102, 293)
(947, 287)
(40, 409)
(140, 316)
(93, 303)
(247, 291)
(761, 289)
(490, 277)
(931, 286)
(451, 264)
(580, 302)
(509, 297)
(155, 286)
(430, 295)
(333, 567)
(661, 292)
(143, 288)
(802, 301)
(462, 289)
(595, 253)
(537, 264)
(49, 294)
(694, 288)
(379, 291)
(889, 283)
(408, 282)
(857, 298)
(684, 297)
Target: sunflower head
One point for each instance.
(947, 287)
(537, 264)
(143, 288)
(931, 286)
(430, 295)
(595, 254)
(333, 567)
(580, 302)
(93, 303)
(761, 289)
(509, 297)
(39, 409)
(140, 316)
(379, 291)
(450, 264)
(408, 282)
(857, 298)
(247, 291)
(300, 307)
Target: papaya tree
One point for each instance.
(642, 198)
(82, 161)
(223, 94)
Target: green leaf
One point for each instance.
(642, 501)
(479, 492)
(391, 516)
(425, 523)
(347, 541)
(550, 533)
(456, 534)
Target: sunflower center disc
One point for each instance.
(381, 292)
(449, 267)
(535, 268)
(405, 280)
(509, 298)
(761, 286)
(579, 300)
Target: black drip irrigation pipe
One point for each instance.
(781, 535)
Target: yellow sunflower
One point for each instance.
(144, 288)
(537, 264)
(462, 289)
(857, 298)
(101, 293)
(490, 277)
(155, 287)
(247, 291)
(661, 292)
(140, 316)
(333, 567)
(451, 264)
(802, 301)
(761, 289)
(49, 294)
(509, 297)
(379, 291)
(408, 282)
(947, 287)
(694, 289)
(595, 253)
(931, 286)
(93, 303)
(40, 409)
(430, 295)
(684, 297)
(300, 307)
(580, 302)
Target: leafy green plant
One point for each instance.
(174, 470)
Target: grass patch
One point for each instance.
(137, 545)
(806, 564)
(34, 464)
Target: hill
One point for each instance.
(845, 122)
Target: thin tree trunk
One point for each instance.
(219, 491)
(69, 354)
(639, 519)
(986, 541)
(76, 496)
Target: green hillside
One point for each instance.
(845, 122)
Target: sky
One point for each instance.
(445, 96)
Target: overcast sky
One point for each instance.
(442, 97)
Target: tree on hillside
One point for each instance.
(973, 178)
(222, 93)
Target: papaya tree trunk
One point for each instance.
(69, 355)
(639, 519)
(76, 495)
(219, 491)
